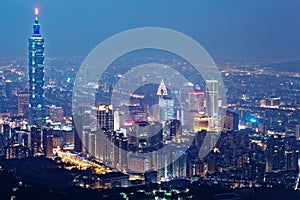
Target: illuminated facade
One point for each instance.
(105, 116)
(36, 75)
(23, 103)
(166, 108)
(165, 103)
(56, 114)
(212, 93)
(196, 102)
(273, 102)
(197, 119)
(213, 105)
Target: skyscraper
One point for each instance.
(196, 102)
(8, 88)
(213, 107)
(212, 93)
(174, 128)
(197, 119)
(36, 75)
(105, 117)
(166, 108)
(47, 136)
(231, 122)
(23, 103)
(165, 103)
(36, 140)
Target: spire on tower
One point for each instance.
(36, 25)
(162, 89)
(36, 11)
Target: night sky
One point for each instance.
(228, 29)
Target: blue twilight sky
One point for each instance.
(228, 29)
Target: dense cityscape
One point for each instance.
(147, 144)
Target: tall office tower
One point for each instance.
(231, 122)
(69, 139)
(97, 143)
(77, 127)
(213, 105)
(23, 103)
(172, 162)
(105, 117)
(275, 154)
(8, 88)
(120, 148)
(146, 137)
(174, 129)
(104, 147)
(47, 142)
(197, 120)
(6, 134)
(166, 108)
(117, 120)
(165, 103)
(36, 140)
(178, 167)
(91, 147)
(212, 101)
(36, 75)
(196, 102)
(89, 142)
(291, 157)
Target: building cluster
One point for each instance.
(17, 143)
(254, 142)
(145, 140)
(24, 130)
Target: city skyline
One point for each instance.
(163, 123)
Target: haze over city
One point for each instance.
(231, 29)
(164, 100)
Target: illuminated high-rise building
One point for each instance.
(23, 103)
(36, 75)
(197, 119)
(231, 122)
(47, 136)
(165, 103)
(166, 108)
(36, 140)
(212, 95)
(105, 117)
(213, 108)
(196, 102)
(174, 128)
(8, 88)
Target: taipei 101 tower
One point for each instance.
(36, 75)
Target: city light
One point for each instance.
(36, 11)
(148, 113)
